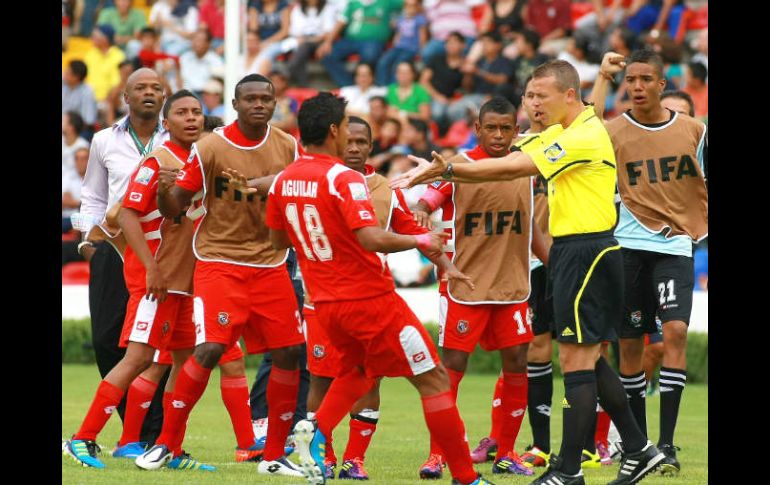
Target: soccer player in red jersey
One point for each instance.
(240, 284)
(159, 312)
(324, 210)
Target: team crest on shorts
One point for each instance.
(318, 351)
(166, 326)
(223, 318)
(636, 317)
(462, 326)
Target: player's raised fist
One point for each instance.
(612, 63)
(166, 179)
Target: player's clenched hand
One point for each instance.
(166, 179)
(238, 181)
(454, 274)
(423, 219)
(612, 63)
(424, 172)
(157, 288)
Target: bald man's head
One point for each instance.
(144, 93)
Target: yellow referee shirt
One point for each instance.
(579, 164)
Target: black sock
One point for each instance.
(579, 413)
(672, 382)
(636, 391)
(589, 444)
(539, 395)
(614, 401)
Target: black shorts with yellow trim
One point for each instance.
(540, 302)
(658, 289)
(586, 272)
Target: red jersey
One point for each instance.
(320, 203)
(141, 196)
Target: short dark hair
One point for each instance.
(493, 35)
(680, 95)
(647, 56)
(371, 67)
(499, 105)
(531, 37)
(206, 31)
(317, 114)
(381, 99)
(76, 121)
(419, 125)
(253, 78)
(79, 69)
(457, 35)
(411, 65)
(698, 71)
(182, 93)
(148, 30)
(211, 122)
(565, 73)
(360, 121)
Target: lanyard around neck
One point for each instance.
(143, 150)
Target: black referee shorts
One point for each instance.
(587, 282)
(540, 302)
(656, 284)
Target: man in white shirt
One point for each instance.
(115, 152)
(198, 64)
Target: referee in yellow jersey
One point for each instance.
(575, 155)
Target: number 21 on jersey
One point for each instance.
(322, 249)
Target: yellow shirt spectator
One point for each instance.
(103, 72)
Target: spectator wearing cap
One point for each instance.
(527, 44)
(696, 87)
(127, 22)
(197, 65)
(442, 77)
(552, 19)
(212, 18)
(411, 36)
(102, 61)
(489, 76)
(176, 21)
(286, 107)
(270, 20)
(359, 94)
(366, 26)
(76, 95)
(71, 127)
(445, 17)
(309, 22)
(407, 97)
(211, 95)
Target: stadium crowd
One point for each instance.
(415, 79)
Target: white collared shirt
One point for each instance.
(113, 158)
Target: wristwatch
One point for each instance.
(448, 173)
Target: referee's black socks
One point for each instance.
(613, 398)
(539, 395)
(636, 391)
(579, 405)
(672, 382)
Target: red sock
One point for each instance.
(282, 387)
(167, 401)
(602, 427)
(189, 388)
(176, 447)
(361, 433)
(342, 394)
(514, 406)
(330, 456)
(497, 410)
(105, 401)
(447, 428)
(235, 394)
(454, 383)
(138, 402)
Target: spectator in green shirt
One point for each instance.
(127, 22)
(406, 97)
(367, 27)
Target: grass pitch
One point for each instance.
(399, 447)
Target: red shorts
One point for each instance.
(258, 303)
(167, 325)
(323, 359)
(163, 357)
(381, 334)
(494, 327)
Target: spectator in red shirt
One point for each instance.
(552, 20)
(698, 90)
(212, 17)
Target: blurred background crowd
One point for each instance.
(417, 70)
